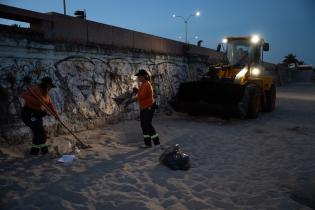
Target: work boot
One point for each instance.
(147, 142)
(155, 139)
(34, 151)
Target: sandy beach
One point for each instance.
(266, 163)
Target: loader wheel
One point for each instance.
(250, 104)
(270, 99)
(254, 103)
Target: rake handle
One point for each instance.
(75, 136)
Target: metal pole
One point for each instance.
(186, 23)
(64, 7)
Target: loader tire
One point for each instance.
(270, 99)
(254, 103)
(250, 104)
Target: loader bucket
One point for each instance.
(208, 97)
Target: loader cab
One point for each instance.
(240, 53)
(243, 51)
(244, 57)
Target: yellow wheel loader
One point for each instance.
(239, 85)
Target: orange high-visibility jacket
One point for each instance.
(31, 101)
(145, 95)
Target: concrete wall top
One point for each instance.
(59, 27)
(23, 15)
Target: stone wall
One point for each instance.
(302, 75)
(288, 75)
(87, 79)
(91, 64)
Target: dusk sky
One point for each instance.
(288, 25)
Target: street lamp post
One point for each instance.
(64, 7)
(197, 14)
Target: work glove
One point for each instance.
(133, 98)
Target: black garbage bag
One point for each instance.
(175, 159)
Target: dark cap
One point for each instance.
(142, 72)
(48, 80)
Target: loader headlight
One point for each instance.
(255, 71)
(255, 39)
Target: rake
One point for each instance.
(79, 143)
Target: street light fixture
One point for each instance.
(197, 14)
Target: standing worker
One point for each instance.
(36, 98)
(147, 108)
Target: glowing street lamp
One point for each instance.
(196, 14)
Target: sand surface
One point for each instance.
(266, 163)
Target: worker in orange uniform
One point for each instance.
(34, 111)
(147, 108)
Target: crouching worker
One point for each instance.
(147, 108)
(36, 103)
